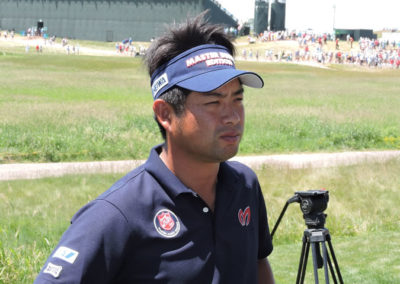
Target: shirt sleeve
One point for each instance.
(265, 242)
(91, 250)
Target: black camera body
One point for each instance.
(312, 204)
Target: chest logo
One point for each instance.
(244, 216)
(166, 223)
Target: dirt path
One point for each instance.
(317, 160)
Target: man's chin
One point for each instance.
(229, 153)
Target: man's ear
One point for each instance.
(163, 112)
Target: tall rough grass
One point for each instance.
(363, 219)
(80, 108)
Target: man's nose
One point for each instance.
(231, 115)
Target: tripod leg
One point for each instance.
(325, 255)
(334, 260)
(303, 261)
(332, 270)
(314, 256)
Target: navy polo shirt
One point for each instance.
(150, 228)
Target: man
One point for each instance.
(186, 215)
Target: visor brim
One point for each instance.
(209, 81)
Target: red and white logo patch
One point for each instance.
(244, 216)
(166, 223)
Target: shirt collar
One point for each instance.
(227, 179)
(156, 167)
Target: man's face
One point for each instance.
(211, 126)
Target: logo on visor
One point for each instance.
(159, 84)
(211, 59)
(166, 223)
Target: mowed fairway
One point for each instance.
(55, 107)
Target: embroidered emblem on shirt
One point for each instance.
(66, 254)
(244, 216)
(53, 270)
(166, 223)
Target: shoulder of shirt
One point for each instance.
(126, 181)
(241, 169)
(241, 172)
(240, 176)
(115, 195)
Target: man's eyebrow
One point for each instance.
(239, 91)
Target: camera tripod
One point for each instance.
(312, 204)
(315, 238)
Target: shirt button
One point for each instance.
(205, 209)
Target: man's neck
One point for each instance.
(199, 176)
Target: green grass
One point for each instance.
(371, 258)
(68, 110)
(80, 108)
(309, 109)
(363, 219)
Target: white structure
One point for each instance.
(323, 15)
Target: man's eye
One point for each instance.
(212, 103)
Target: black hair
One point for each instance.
(177, 39)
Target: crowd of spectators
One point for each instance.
(7, 34)
(41, 42)
(128, 48)
(326, 49)
(299, 47)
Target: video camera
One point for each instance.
(312, 204)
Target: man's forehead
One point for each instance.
(233, 88)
